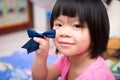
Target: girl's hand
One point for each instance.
(44, 46)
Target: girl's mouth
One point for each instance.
(65, 44)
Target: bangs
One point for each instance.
(68, 8)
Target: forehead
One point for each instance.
(63, 17)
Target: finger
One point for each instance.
(42, 41)
(38, 40)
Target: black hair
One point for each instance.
(94, 13)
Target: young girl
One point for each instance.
(82, 33)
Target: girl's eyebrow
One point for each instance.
(58, 20)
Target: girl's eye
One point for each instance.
(58, 25)
(77, 26)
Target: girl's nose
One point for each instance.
(65, 32)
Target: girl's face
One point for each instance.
(72, 38)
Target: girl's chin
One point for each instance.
(67, 53)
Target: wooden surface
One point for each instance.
(113, 45)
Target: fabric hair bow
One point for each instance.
(31, 45)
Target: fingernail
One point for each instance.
(34, 38)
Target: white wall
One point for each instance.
(114, 17)
(39, 18)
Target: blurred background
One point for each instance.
(13, 24)
(16, 16)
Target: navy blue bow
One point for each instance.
(31, 45)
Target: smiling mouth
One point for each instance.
(65, 44)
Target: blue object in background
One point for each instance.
(22, 64)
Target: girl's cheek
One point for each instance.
(54, 27)
(55, 41)
(56, 33)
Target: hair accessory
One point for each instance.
(31, 45)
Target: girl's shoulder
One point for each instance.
(100, 70)
(97, 71)
(99, 65)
